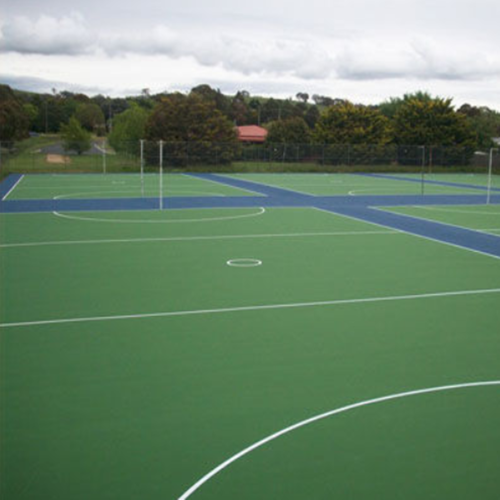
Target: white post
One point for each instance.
(490, 169)
(142, 167)
(104, 156)
(161, 175)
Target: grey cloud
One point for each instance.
(421, 59)
(350, 58)
(44, 86)
(69, 35)
(47, 35)
(248, 56)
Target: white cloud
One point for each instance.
(309, 58)
(47, 35)
(346, 48)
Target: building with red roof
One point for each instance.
(252, 133)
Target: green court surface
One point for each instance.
(485, 218)
(355, 185)
(75, 186)
(139, 352)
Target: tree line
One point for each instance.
(205, 114)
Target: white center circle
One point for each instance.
(244, 262)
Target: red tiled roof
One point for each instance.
(252, 133)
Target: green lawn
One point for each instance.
(134, 360)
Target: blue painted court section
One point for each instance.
(428, 181)
(444, 233)
(256, 187)
(8, 184)
(357, 207)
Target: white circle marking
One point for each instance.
(244, 262)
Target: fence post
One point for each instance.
(422, 170)
(161, 175)
(490, 170)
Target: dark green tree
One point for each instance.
(91, 117)
(346, 123)
(14, 119)
(129, 127)
(193, 130)
(311, 116)
(292, 131)
(432, 122)
(302, 96)
(390, 107)
(75, 137)
(485, 122)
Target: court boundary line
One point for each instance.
(196, 238)
(322, 416)
(262, 307)
(13, 187)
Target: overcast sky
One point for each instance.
(362, 50)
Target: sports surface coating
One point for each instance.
(135, 360)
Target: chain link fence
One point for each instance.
(44, 155)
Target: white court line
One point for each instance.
(13, 187)
(402, 231)
(193, 238)
(252, 308)
(322, 416)
(134, 190)
(456, 211)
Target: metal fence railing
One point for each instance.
(49, 155)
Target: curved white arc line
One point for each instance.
(262, 210)
(311, 420)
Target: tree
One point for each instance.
(311, 116)
(14, 120)
(346, 123)
(321, 100)
(302, 96)
(75, 137)
(91, 117)
(390, 107)
(432, 122)
(292, 131)
(221, 102)
(484, 121)
(193, 128)
(129, 127)
(240, 110)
